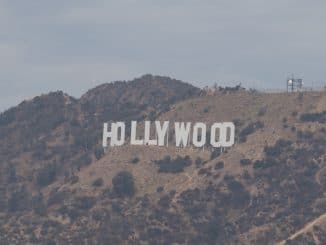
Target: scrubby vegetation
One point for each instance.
(99, 152)
(245, 161)
(98, 182)
(215, 153)
(47, 175)
(249, 129)
(123, 184)
(314, 117)
(135, 160)
(177, 165)
(49, 193)
(219, 165)
(199, 162)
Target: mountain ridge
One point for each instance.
(58, 186)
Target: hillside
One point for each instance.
(65, 133)
(59, 187)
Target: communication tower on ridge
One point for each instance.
(294, 84)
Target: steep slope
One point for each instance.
(52, 136)
(237, 202)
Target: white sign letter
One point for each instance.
(122, 127)
(181, 133)
(148, 141)
(215, 143)
(106, 135)
(113, 134)
(228, 126)
(133, 140)
(161, 131)
(202, 128)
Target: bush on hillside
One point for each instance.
(314, 117)
(47, 175)
(177, 165)
(98, 182)
(219, 165)
(19, 200)
(199, 161)
(215, 153)
(279, 147)
(245, 161)
(98, 152)
(250, 129)
(84, 202)
(123, 184)
(135, 160)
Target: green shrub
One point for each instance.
(135, 160)
(19, 200)
(164, 201)
(199, 161)
(123, 184)
(249, 129)
(83, 160)
(168, 165)
(12, 176)
(205, 171)
(314, 117)
(215, 153)
(258, 164)
(279, 147)
(219, 165)
(245, 161)
(98, 152)
(266, 163)
(47, 175)
(74, 179)
(84, 202)
(57, 197)
(98, 182)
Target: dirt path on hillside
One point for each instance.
(305, 229)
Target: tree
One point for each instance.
(98, 152)
(123, 184)
(47, 175)
(98, 182)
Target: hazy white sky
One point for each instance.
(74, 45)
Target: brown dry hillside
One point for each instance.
(268, 188)
(240, 107)
(55, 134)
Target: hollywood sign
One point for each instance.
(221, 134)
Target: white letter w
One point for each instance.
(181, 133)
